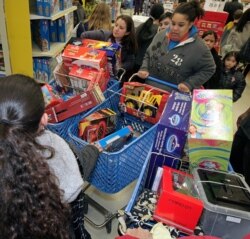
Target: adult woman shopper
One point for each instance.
(178, 55)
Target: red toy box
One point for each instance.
(97, 125)
(143, 101)
(75, 105)
(86, 78)
(178, 204)
(83, 56)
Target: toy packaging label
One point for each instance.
(114, 142)
(82, 56)
(171, 133)
(178, 204)
(97, 125)
(143, 101)
(211, 129)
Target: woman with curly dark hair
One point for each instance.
(30, 200)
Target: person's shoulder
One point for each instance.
(50, 138)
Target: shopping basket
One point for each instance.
(61, 128)
(115, 170)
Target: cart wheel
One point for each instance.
(109, 226)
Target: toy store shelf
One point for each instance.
(55, 16)
(55, 49)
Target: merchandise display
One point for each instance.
(211, 129)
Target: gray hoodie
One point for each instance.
(190, 62)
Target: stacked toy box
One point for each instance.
(211, 129)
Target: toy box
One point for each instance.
(50, 98)
(39, 7)
(75, 105)
(143, 101)
(97, 125)
(211, 129)
(114, 142)
(64, 4)
(226, 198)
(171, 134)
(65, 27)
(41, 33)
(50, 7)
(83, 56)
(178, 204)
(53, 31)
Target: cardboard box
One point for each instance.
(83, 56)
(65, 27)
(178, 204)
(226, 198)
(171, 134)
(75, 105)
(50, 7)
(143, 101)
(211, 129)
(53, 31)
(97, 125)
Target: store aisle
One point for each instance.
(119, 200)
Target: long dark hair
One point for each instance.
(30, 200)
(243, 20)
(191, 9)
(128, 41)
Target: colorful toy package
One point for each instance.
(211, 129)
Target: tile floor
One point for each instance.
(116, 201)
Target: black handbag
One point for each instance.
(244, 53)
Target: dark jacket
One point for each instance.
(234, 80)
(127, 56)
(144, 39)
(231, 7)
(213, 82)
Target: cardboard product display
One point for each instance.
(75, 105)
(143, 101)
(171, 134)
(212, 21)
(97, 125)
(226, 198)
(211, 129)
(178, 204)
(83, 56)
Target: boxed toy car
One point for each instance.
(178, 203)
(75, 105)
(143, 101)
(226, 198)
(65, 27)
(171, 134)
(53, 31)
(83, 56)
(50, 7)
(115, 141)
(97, 125)
(41, 33)
(85, 79)
(211, 129)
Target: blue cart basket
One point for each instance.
(61, 128)
(115, 170)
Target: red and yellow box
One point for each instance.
(177, 204)
(143, 101)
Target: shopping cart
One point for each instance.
(61, 128)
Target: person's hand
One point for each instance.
(100, 149)
(242, 117)
(143, 74)
(183, 88)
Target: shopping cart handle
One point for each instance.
(162, 82)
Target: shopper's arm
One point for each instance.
(239, 87)
(242, 117)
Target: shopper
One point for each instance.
(124, 34)
(165, 20)
(231, 78)
(210, 38)
(30, 200)
(238, 35)
(146, 32)
(179, 56)
(240, 152)
(99, 19)
(230, 7)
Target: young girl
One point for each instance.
(165, 20)
(124, 34)
(210, 38)
(39, 174)
(231, 78)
